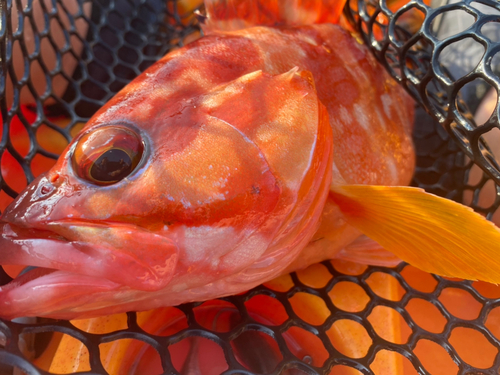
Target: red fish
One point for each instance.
(235, 159)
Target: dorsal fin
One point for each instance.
(226, 15)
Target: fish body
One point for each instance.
(220, 167)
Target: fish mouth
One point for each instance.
(77, 264)
(53, 293)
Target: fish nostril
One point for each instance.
(46, 189)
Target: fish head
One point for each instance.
(158, 194)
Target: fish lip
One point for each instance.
(25, 296)
(15, 232)
(37, 272)
(70, 246)
(46, 227)
(22, 297)
(25, 277)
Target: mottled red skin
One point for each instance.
(234, 183)
(240, 14)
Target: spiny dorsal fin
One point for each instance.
(226, 15)
(432, 233)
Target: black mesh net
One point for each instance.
(333, 318)
(446, 56)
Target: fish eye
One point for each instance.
(107, 155)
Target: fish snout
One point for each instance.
(33, 207)
(83, 267)
(47, 185)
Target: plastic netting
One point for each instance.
(57, 70)
(446, 56)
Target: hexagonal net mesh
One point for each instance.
(446, 56)
(61, 60)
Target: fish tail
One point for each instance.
(226, 15)
(432, 233)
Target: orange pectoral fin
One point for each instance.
(432, 233)
(365, 250)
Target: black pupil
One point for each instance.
(113, 165)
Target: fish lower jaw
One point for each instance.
(49, 292)
(26, 276)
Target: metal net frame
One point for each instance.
(94, 48)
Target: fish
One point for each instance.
(52, 142)
(246, 154)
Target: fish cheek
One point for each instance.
(129, 201)
(220, 190)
